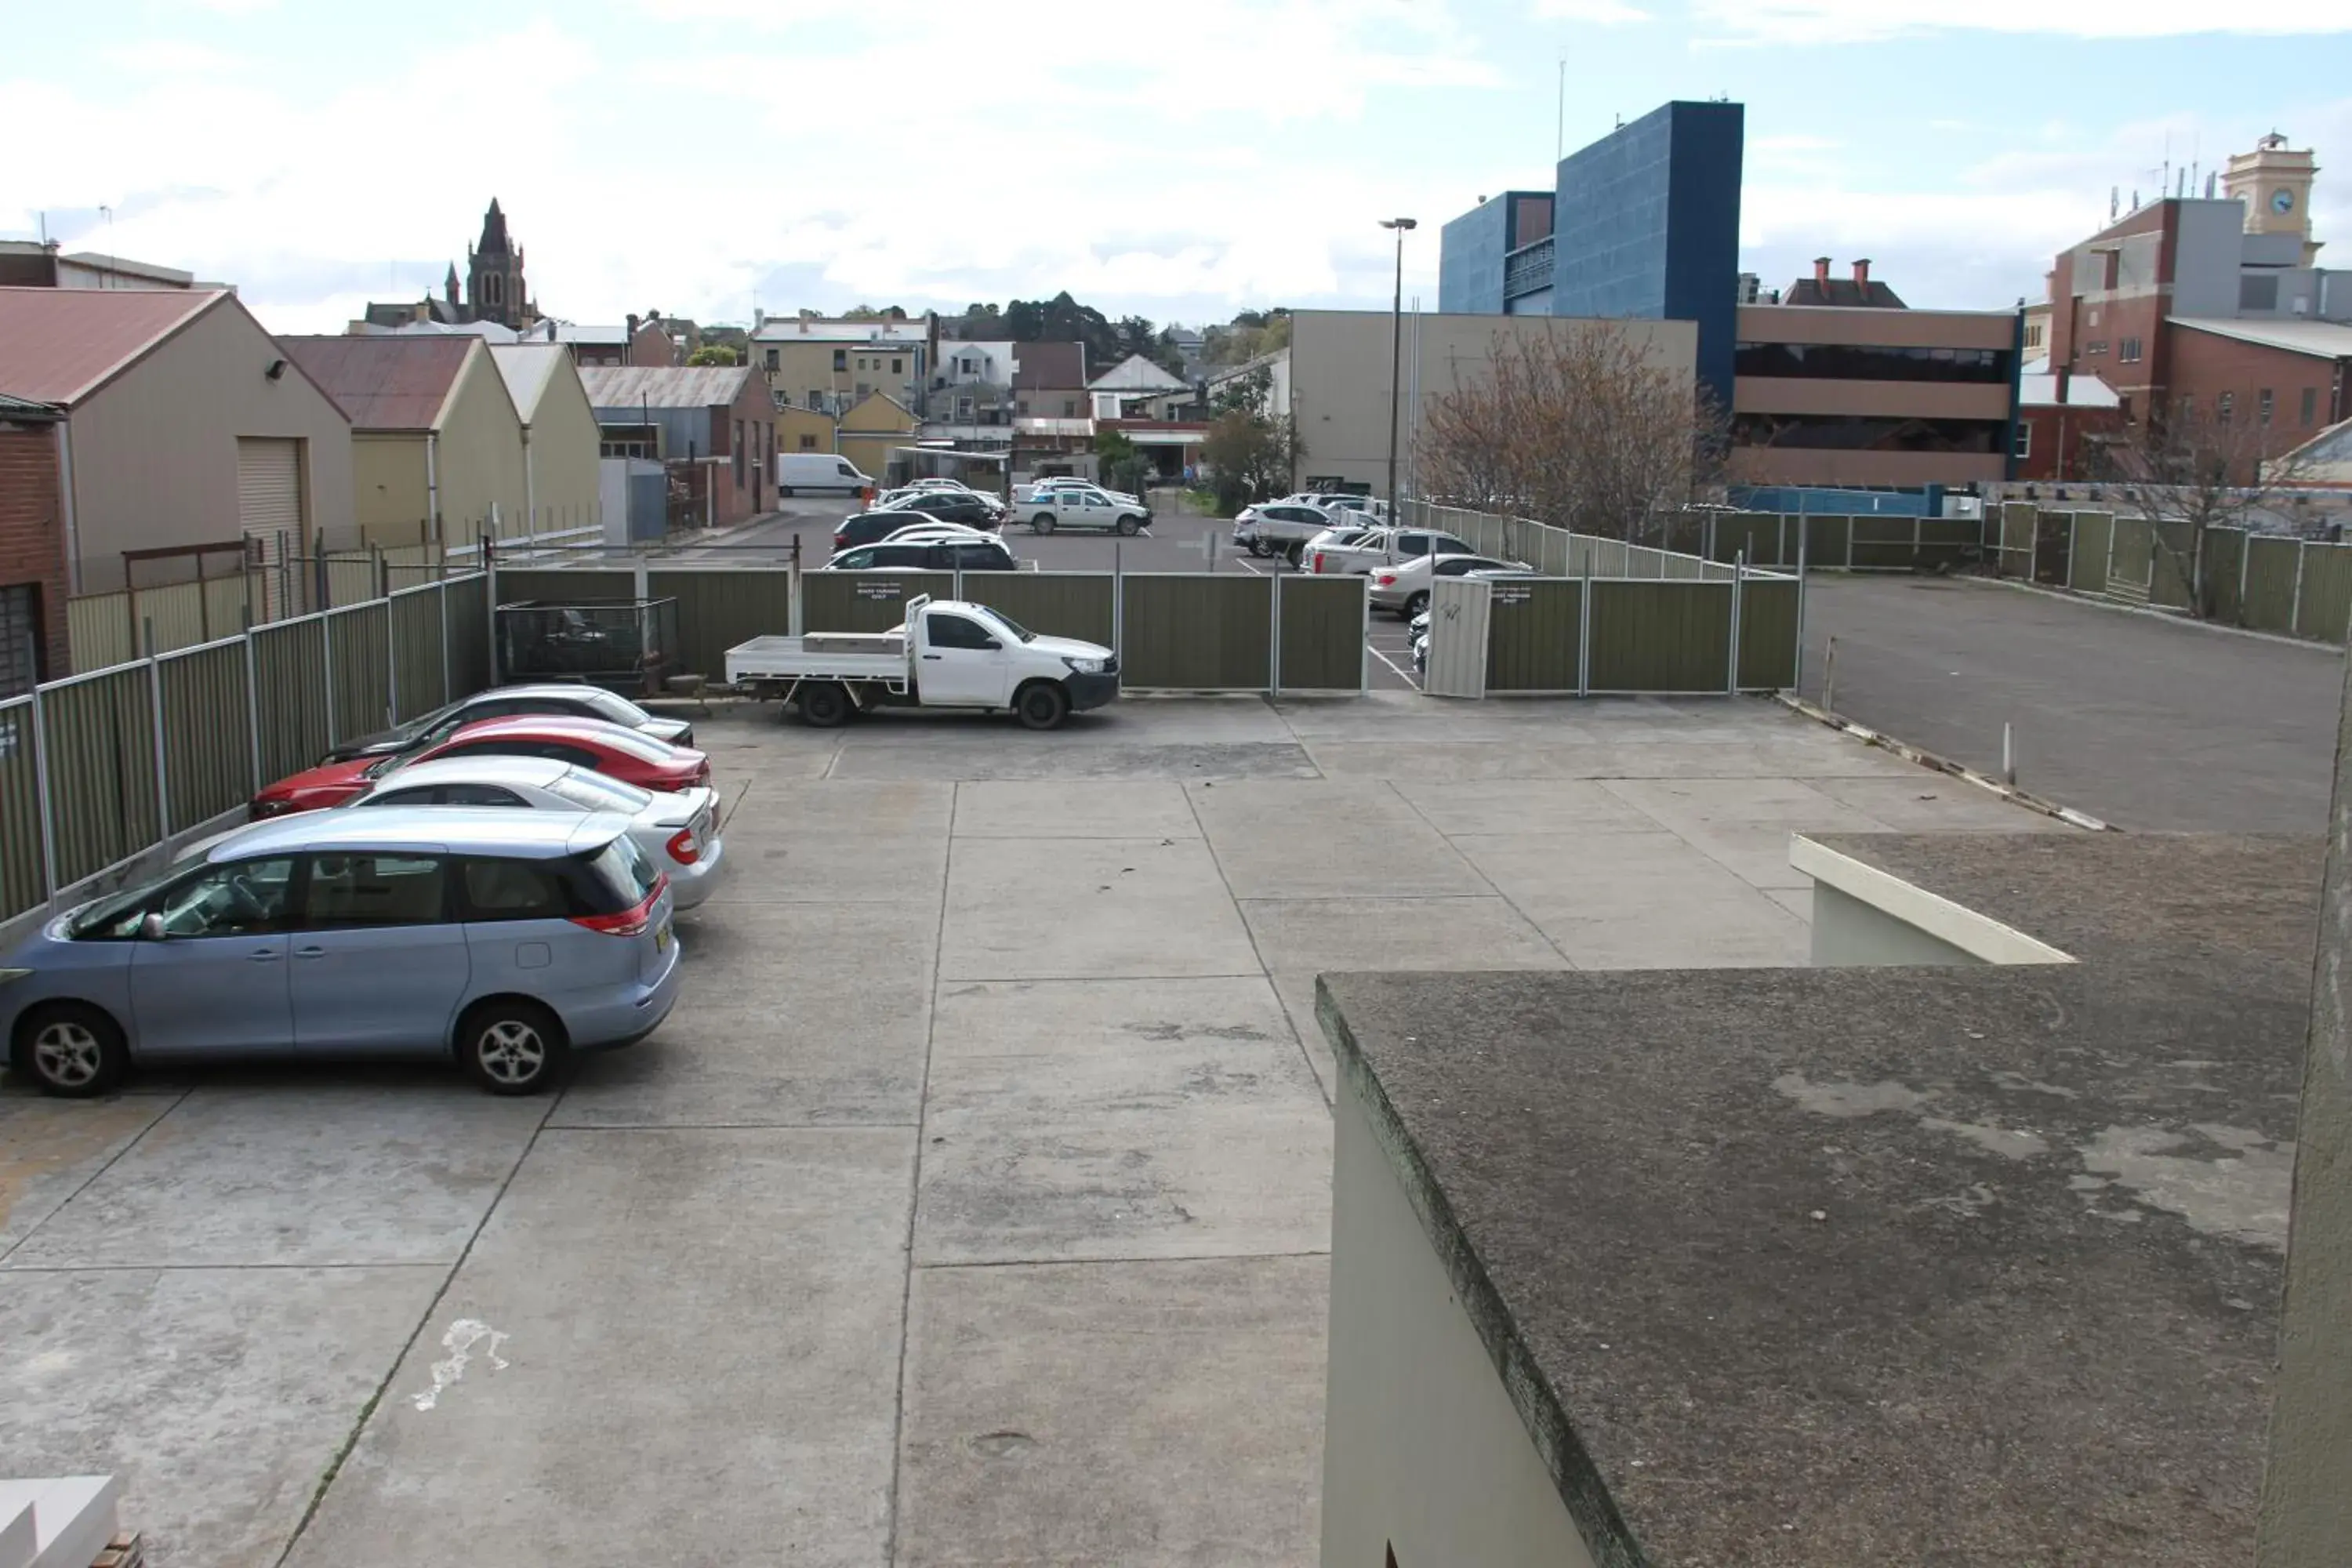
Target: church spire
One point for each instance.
(494, 231)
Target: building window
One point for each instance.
(2310, 405)
(1023, 406)
(898, 366)
(2129, 351)
(808, 443)
(2257, 292)
(2032, 334)
(2022, 448)
(774, 357)
(2094, 311)
(840, 360)
(2099, 347)
(2225, 405)
(22, 655)
(1070, 408)
(816, 399)
(964, 408)
(1868, 361)
(2263, 403)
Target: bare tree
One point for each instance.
(1580, 427)
(2189, 473)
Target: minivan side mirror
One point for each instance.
(151, 927)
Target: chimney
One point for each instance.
(633, 326)
(1861, 273)
(2065, 380)
(1822, 272)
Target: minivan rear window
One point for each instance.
(603, 881)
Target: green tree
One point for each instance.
(1251, 452)
(714, 355)
(1123, 464)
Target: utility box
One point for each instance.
(629, 646)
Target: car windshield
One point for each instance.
(120, 907)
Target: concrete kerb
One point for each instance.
(1926, 759)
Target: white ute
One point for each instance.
(947, 654)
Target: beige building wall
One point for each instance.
(803, 430)
(806, 367)
(871, 430)
(564, 451)
(478, 453)
(154, 452)
(1424, 1452)
(392, 501)
(1339, 368)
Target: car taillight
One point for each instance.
(1385, 579)
(841, 541)
(1318, 564)
(631, 921)
(683, 848)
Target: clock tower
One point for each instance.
(2274, 183)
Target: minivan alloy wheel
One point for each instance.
(68, 1055)
(513, 1052)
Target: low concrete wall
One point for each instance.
(1426, 1463)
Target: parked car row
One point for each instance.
(497, 889)
(1287, 526)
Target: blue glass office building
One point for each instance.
(1644, 223)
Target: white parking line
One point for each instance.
(1384, 659)
(1245, 566)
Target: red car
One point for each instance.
(609, 749)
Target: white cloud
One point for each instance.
(1596, 12)
(1869, 21)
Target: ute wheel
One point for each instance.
(1042, 523)
(70, 1051)
(510, 1047)
(1414, 604)
(1260, 548)
(1042, 706)
(1127, 527)
(825, 705)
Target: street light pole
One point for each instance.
(1396, 358)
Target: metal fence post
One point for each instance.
(2294, 613)
(1583, 632)
(1274, 639)
(443, 590)
(391, 664)
(1849, 541)
(327, 649)
(2107, 575)
(252, 700)
(155, 714)
(1780, 540)
(490, 560)
(1364, 661)
(2245, 555)
(1797, 675)
(1738, 565)
(41, 798)
(2073, 531)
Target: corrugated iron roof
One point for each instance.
(392, 382)
(527, 369)
(662, 387)
(2331, 339)
(60, 345)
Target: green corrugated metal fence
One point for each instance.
(1197, 633)
(1322, 633)
(865, 601)
(361, 660)
(1058, 603)
(2271, 574)
(1661, 637)
(2225, 550)
(564, 585)
(718, 608)
(21, 853)
(1535, 635)
(100, 733)
(2086, 564)
(207, 733)
(1768, 610)
(420, 674)
(2327, 597)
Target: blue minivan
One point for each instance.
(506, 938)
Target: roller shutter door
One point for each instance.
(269, 485)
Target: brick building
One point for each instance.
(33, 578)
(714, 427)
(2063, 421)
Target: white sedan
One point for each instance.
(677, 832)
(1404, 586)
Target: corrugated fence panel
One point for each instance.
(2270, 582)
(1768, 634)
(2018, 523)
(417, 653)
(2173, 556)
(231, 603)
(1551, 553)
(1946, 541)
(2326, 592)
(171, 617)
(1762, 535)
(1322, 633)
(721, 606)
(2225, 553)
(2086, 571)
(1826, 542)
(2131, 558)
(1886, 544)
(20, 811)
(865, 601)
(469, 635)
(97, 633)
(1058, 603)
(1533, 631)
(290, 689)
(1191, 633)
(351, 579)
(1661, 637)
(207, 737)
(362, 670)
(101, 744)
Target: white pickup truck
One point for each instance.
(947, 654)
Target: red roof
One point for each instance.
(60, 345)
(392, 382)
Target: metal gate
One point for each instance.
(1458, 610)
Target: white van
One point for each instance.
(817, 471)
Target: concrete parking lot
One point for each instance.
(2139, 719)
(972, 1206)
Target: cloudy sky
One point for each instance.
(1174, 158)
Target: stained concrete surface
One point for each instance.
(1015, 1028)
(2151, 724)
